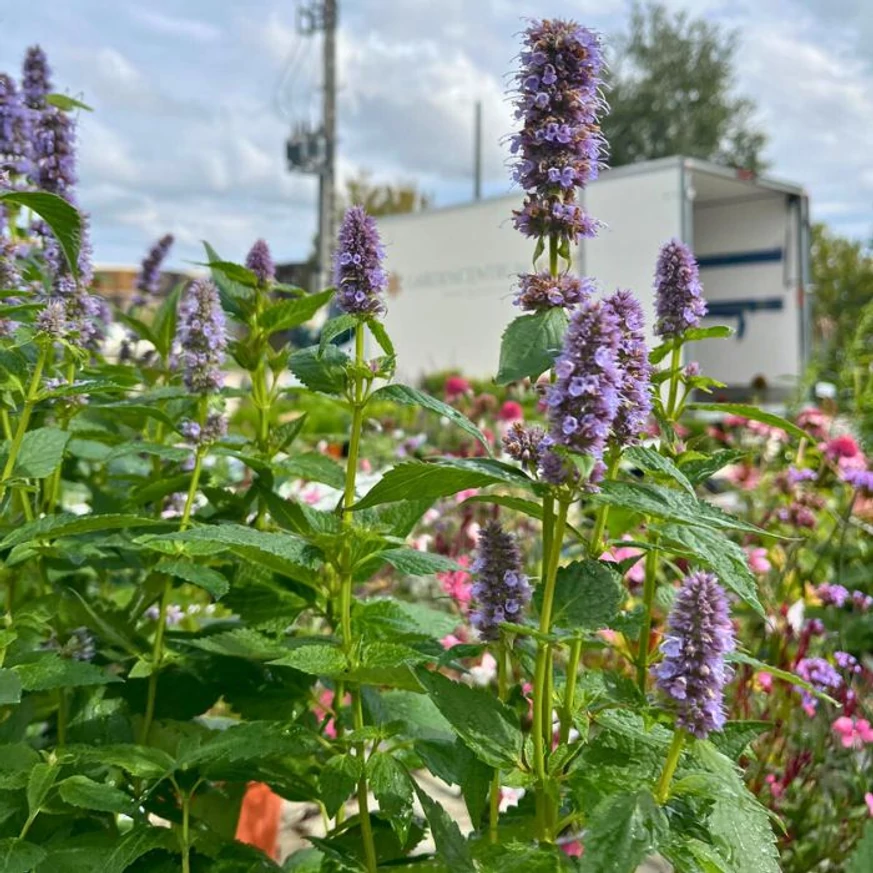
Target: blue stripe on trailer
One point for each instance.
(733, 259)
(739, 308)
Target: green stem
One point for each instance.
(553, 254)
(363, 800)
(29, 403)
(675, 361)
(646, 629)
(186, 835)
(158, 645)
(596, 544)
(494, 817)
(573, 660)
(541, 725)
(662, 792)
(62, 717)
(346, 593)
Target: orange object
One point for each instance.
(259, 819)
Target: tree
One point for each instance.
(842, 277)
(671, 92)
(382, 198)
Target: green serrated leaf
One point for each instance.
(652, 461)
(588, 595)
(488, 727)
(315, 467)
(63, 219)
(66, 524)
(755, 414)
(381, 336)
(325, 373)
(416, 563)
(622, 832)
(700, 468)
(734, 738)
(316, 658)
(530, 345)
(206, 578)
(10, 687)
(292, 313)
(241, 642)
(141, 762)
(407, 396)
(42, 779)
(416, 480)
(338, 780)
(41, 453)
(714, 550)
(861, 860)
(48, 670)
(335, 327)
(88, 794)
(18, 856)
(452, 848)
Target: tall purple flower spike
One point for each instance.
(501, 589)
(559, 146)
(15, 129)
(148, 281)
(585, 398)
(201, 337)
(693, 673)
(679, 302)
(636, 371)
(358, 273)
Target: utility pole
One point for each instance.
(311, 150)
(477, 152)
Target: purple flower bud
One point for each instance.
(524, 444)
(149, 279)
(693, 672)
(52, 321)
(678, 293)
(201, 337)
(860, 480)
(832, 595)
(581, 413)
(36, 76)
(636, 371)
(502, 589)
(358, 274)
(54, 152)
(260, 262)
(538, 291)
(821, 675)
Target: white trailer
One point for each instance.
(453, 269)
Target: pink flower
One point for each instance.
(457, 583)
(450, 640)
(758, 562)
(868, 799)
(366, 466)
(853, 733)
(575, 849)
(841, 447)
(765, 680)
(776, 788)
(814, 421)
(744, 476)
(511, 411)
(455, 387)
(617, 554)
(466, 494)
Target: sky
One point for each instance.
(194, 99)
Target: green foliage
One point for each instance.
(671, 92)
(530, 345)
(587, 596)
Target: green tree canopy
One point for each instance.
(672, 93)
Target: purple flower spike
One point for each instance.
(148, 282)
(358, 274)
(501, 589)
(693, 673)
(260, 262)
(636, 371)
(52, 321)
(559, 146)
(585, 398)
(537, 291)
(36, 76)
(201, 337)
(678, 293)
(15, 129)
(55, 152)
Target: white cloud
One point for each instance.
(185, 28)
